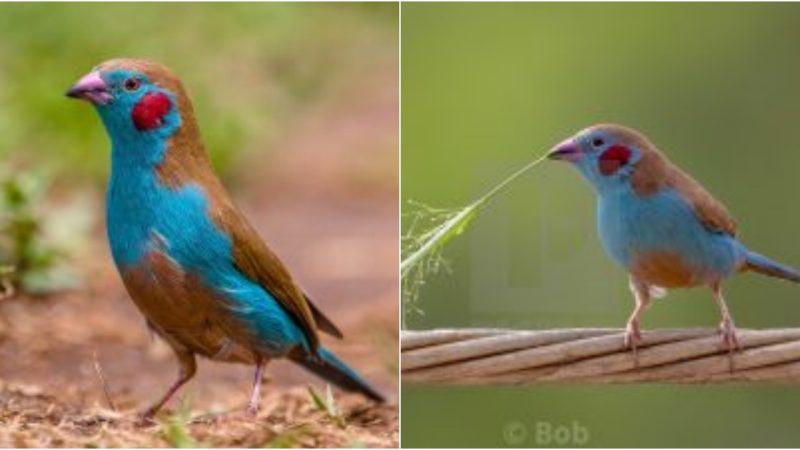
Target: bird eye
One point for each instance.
(597, 143)
(131, 84)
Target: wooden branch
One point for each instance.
(597, 355)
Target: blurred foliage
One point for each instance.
(30, 262)
(7, 281)
(488, 87)
(246, 66)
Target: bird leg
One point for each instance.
(188, 367)
(726, 326)
(633, 333)
(252, 407)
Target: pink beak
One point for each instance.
(568, 150)
(91, 88)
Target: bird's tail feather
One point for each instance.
(762, 264)
(331, 368)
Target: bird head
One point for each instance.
(138, 100)
(606, 155)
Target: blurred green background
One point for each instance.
(249, 68)
(487, 88)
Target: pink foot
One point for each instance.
(252, 409)
(255, 398)
(633, 337)
(728, 330)
(146, 419)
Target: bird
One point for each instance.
(197, 270)
(660, 224)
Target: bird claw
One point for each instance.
(633, 337)
(146, 419)
(729, 338)
(252, 410)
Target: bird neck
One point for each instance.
(606, 185)
(173, 152)
(132, 147)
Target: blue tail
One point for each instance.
(762, 264)
(332, 369)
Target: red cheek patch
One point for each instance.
(150, 111)
(613, 158)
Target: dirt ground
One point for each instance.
(326, 202)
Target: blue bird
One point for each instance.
(196, 269)
(660, 224)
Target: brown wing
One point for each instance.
(711, 213)
(654, 172)
(252, 256)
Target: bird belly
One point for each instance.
(230, 319)
(660, 239)
(663, 269)
(182, 310)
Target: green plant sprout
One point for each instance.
(430, 230)
(293, 437)
(327, 405)
(174, 427)
(6, 281)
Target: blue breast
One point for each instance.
(144, 215)
(631, 225)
